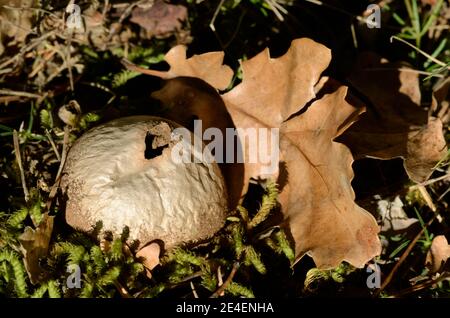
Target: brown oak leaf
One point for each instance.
(438, 254)
(34, 245)
(207, 67)
(274, 89)
(160, 18)
(316, 194)
(394, 125)
(318, 199)
(149, 255)
(440, 102)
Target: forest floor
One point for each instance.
(61, 73)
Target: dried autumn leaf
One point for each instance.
(315, 175)
(34, 245)
(393, 217)
(441, 100)
(438, 254)
(160, 18)
(394, 124)
(15, 23)
(274, 89)
(317, 197)
(185, 98)
(207, 67)
(150, 257)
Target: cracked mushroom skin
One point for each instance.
(121, 174)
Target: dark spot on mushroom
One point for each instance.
(152, 149)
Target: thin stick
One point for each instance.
(216, 13)
(19, 93)
(9, 99)
(69, 66)
(105, 9)
(403, 69)
(55, 186)
(355, 39)
(421, 52)
(194, 292)
(19, 162)
(133, 67)
(122, 290)
(185, 279)
(420, 286)
(64, 151)
(49, 136)
(444, 177)
(190, 277)
(227, 282)
(25, 49)
(220, 279)
(42, 64)
(426, 196)
(272, 6)
(443, 194)
(236, 30)
(403, 257)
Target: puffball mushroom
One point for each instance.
(121, 174)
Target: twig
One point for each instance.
(403, 69)
(64, 151)
(190, 277)
(66, 56)
(69, 66)
(19, 162)
(42, 64)
(403, 257)
(59, 70)
(105, 9)
(133, 67)
(431, 181)
(194, 292)
(355, 39)
(443, 194)
(122, 290)
(220, 279)
(19, 93)
(236, 30)
(9, 99)
(27, 48)
(420, 286)
(49, 136)
(55, 186)
(275, 7)
(216, 13)
(426, 196)
(227, 282)
(185, 280)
